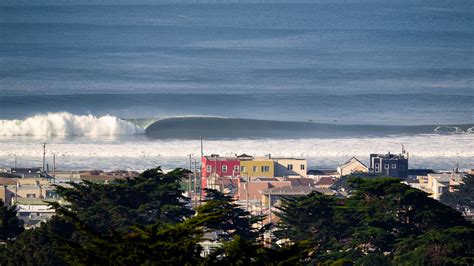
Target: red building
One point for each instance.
(217, 166)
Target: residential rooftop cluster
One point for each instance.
(32, 189)
(256, 183)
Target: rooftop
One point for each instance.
(295, 191)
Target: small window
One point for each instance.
(265, 169)
(236, 168)
(386, 166)
(224, 168)
(394, 166)
(209, 168)
(377, 169)
(242, 169)
(51, 194)
(376, 165)
(289, 167)
(302, 167)
(31, 195)
(255, 169)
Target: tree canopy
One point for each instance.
(462, 199)
(147, 221)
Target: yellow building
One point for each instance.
(257, 167)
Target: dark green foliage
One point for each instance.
(362, 228)
(170, 244)
(10, 225)
(40, 246)
(388, 210)
(452, 246)
(318, 220)
(142, 200)
(462, 199)
(227, 218)
(145, 221)
(239, 251)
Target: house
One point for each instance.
(437, 184)
(215, 166)
(275, 195)
(256, 167)
(393, 165)
(320, 173)
(325, 182)
(27, 172)
(290, 167)
(33, 211)
(251, 190)
(353, 165)
(246, 166)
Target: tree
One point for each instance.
(99, 219)
(39, 246)
(364, 227)
(451, 246)
(142, 200)
(317, 222)
(462, 199)
(228, 219)
(10, 225)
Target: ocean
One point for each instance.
(135, 84)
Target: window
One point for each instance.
(51, 194)
(242, 169)
(377, 168)
(255, 169)
(31, 195)
(386, 166)
(224, 168)
(376, 165)
(265, 168)
(209, 168)
(394, 166)
(289, 167)
(302, 167)
(236, 168)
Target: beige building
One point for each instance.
(290, 167)
(437, 184)
(353, 165)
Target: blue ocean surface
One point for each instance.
(403, 63)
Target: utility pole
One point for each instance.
(15, 161)
(195, 182)
(202, 149)
(44, 158)
(54, 168)
(189, 179)
(247, 193)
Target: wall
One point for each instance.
(249, 165)
(282, 170)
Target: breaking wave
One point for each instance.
(192, 127)
(65, 124)
(219, 128)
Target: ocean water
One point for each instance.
(346, 77)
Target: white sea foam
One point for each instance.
(431, 151)
(65, 124)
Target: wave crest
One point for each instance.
(64, 124)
